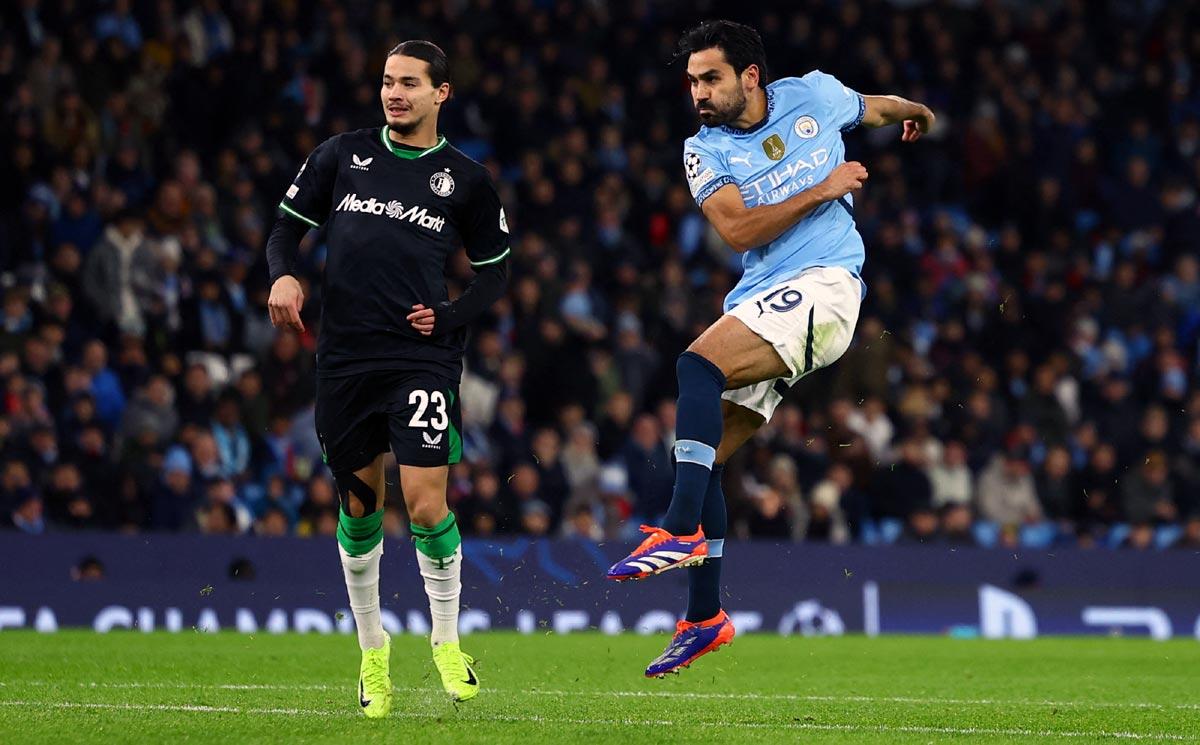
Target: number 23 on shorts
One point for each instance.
(432, 410)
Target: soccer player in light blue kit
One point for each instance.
(768, 170)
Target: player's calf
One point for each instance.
(439, 557)
(360, 545)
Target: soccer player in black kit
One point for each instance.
(395, 203)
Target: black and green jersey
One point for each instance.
(392, 217)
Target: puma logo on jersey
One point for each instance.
(415, 214)
(743, 159)
(360, 164)
(434, 442)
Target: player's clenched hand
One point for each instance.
(285, 303)
(845, 178)
(422, 319)
(914, 128)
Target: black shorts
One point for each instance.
(416, 412)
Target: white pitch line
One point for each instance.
(1005, 732)
(875, 699)
(194, 708)
(881, 729)
(657, 694)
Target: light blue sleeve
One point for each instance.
(705, 168)
(844, 107)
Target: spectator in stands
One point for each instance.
(770, 516)
(956, 520)
(217, 518)
(1147, 495)
(233, 444)
(951, 479)
(902, 487)
(1007, 494)
(581, 522)
(648, 465)
(1191, 534)
(834, 505)
(552, 476)
(1141, 537)
(272, 523)
(176, 497)
(922, 526)
(535, 518)
(151, 410)
(1056, 488)
(118, 273)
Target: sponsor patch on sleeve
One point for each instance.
(292, 191)
(697, 173)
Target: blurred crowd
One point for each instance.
(1025, 365)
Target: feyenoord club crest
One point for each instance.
(442, 183)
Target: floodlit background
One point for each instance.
(1025, 364)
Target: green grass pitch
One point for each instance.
(587, 689)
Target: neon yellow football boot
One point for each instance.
(454, 665)
(375, 681)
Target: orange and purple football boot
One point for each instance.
(691, 642)
(659, 553)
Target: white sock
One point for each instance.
(362, 585)
(443, 586)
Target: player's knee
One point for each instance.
(692, 368)
(357, 498)
(426, 513)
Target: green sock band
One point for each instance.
(440, 541)
(358, 535)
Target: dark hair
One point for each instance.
(741, 44)
(439, 68)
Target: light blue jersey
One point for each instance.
(793, 149)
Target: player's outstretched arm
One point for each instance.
(744, 228)
(882, 111)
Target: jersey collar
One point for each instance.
(400, 152)
(749, 130)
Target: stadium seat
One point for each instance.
(1117, 535)
(870, 533)
(986, 533)
(890, 529)
(1166, 535)
(1038, 535)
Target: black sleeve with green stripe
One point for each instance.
(310, 196)
(483, 224)
(305, 205)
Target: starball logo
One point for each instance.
(415, 214)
